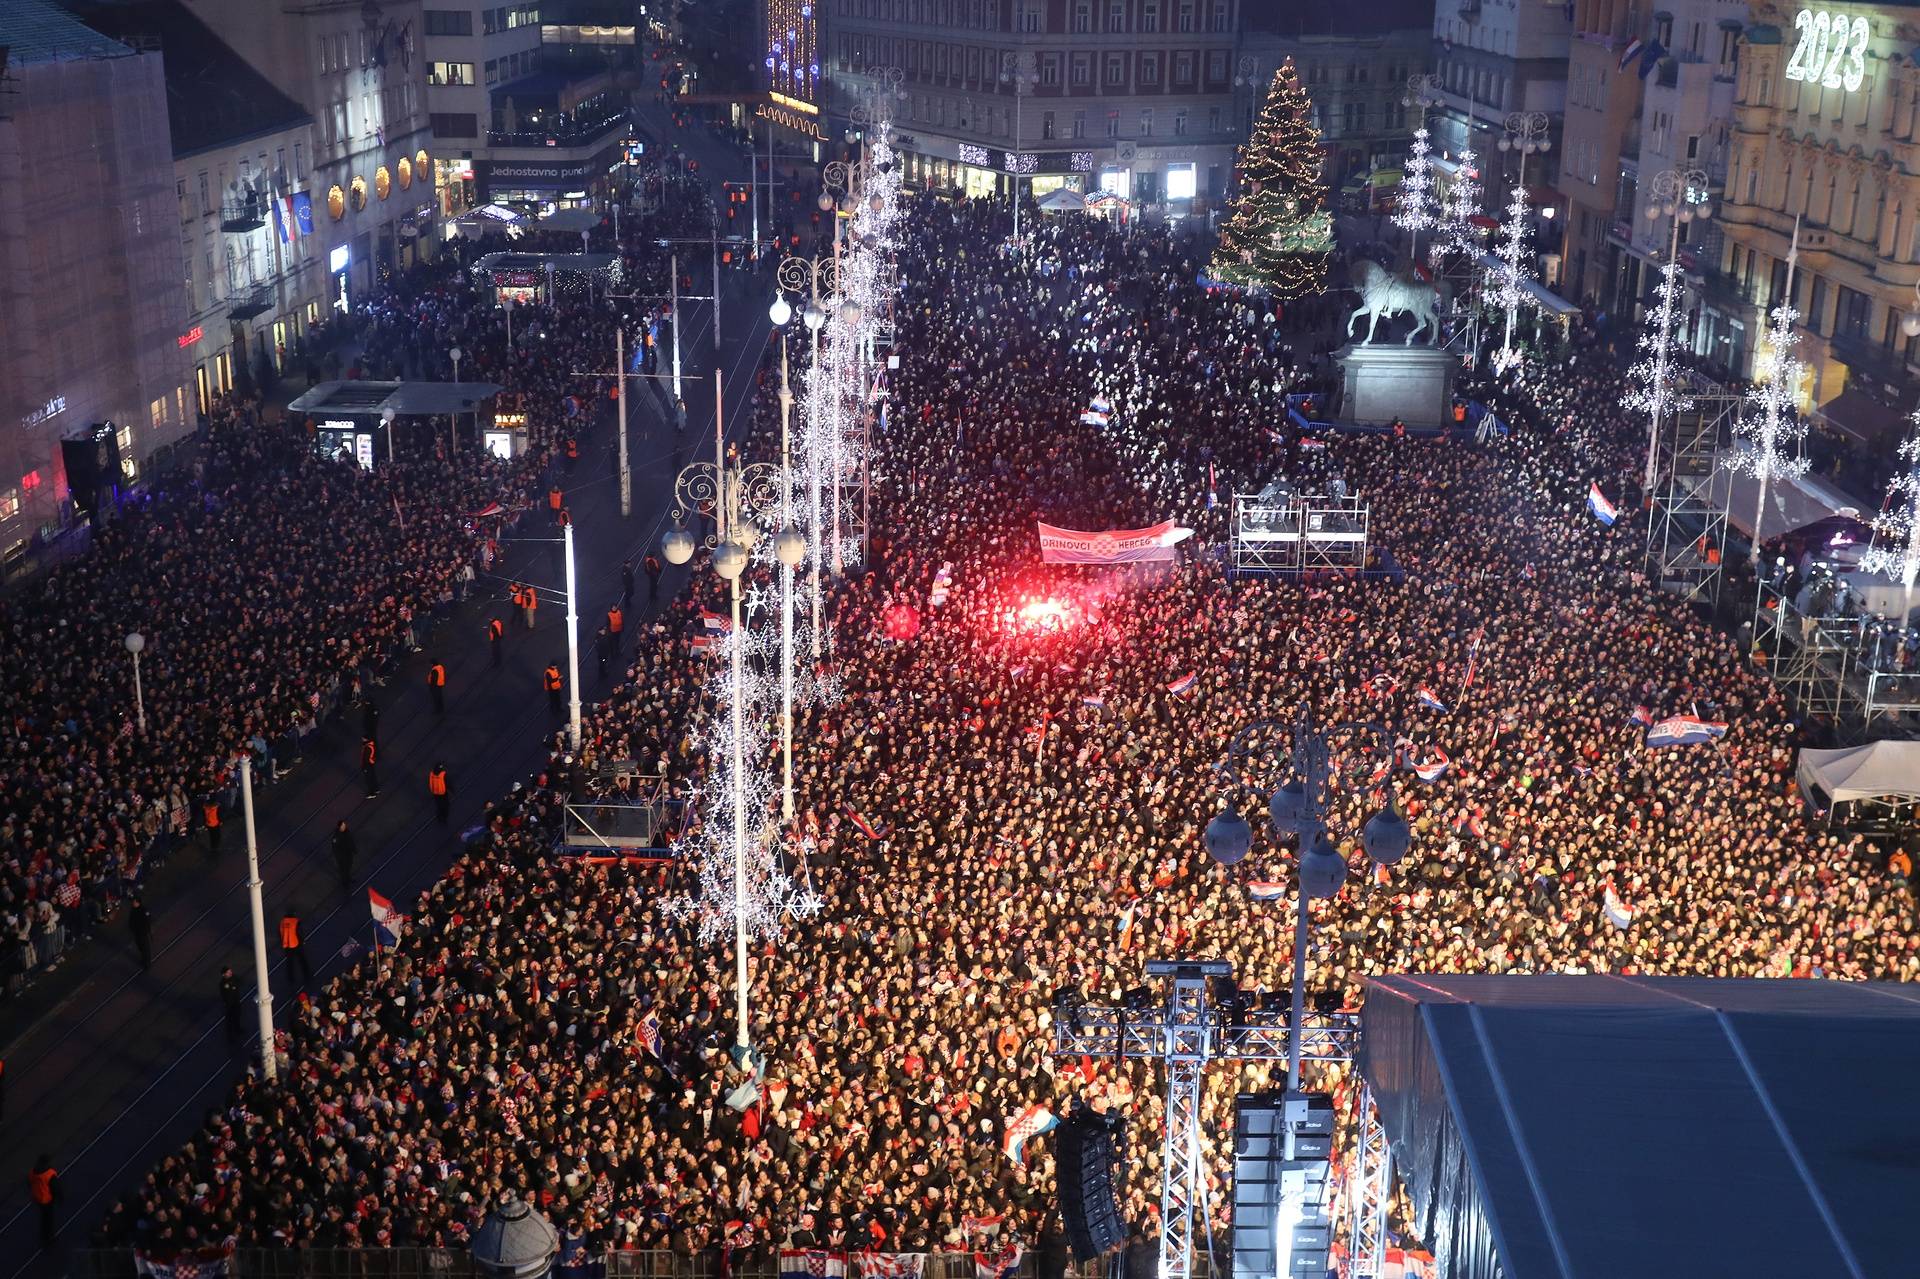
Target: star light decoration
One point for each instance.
(1417, 208)
(1770, 428)
(1509, 280)
(1895, 549)
(1454, 232)
(1656, 391)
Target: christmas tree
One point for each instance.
(1277, 237)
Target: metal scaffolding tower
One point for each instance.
(1187, 1032)
(1367, 1193)
(1687, 529)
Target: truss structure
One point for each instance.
(623, 815)
(1297, 533)
(1840, 668)
(1687, 529)
(1367, 1192)
(1188, 1032)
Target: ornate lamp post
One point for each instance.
(135, 643)
(1017, 70)
(736, 493)
(819, 279)
(1317, 760)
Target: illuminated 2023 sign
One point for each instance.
(1832, 51)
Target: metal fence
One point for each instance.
(455, 1263)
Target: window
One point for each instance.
(1850, 313)
(1354, 117)
(1082, 16)
(1030, 16)
(1146, 122)
(1181, 180)
(1116, 69)
(446, 73)
(1079, 124)
(326, 55)
(9, 503)
(1150, 69)
(1180, 123)
(454, 125)
(206, 201)
(1217, 66)
(1219, 22)
(1117, 15)
(1213, 119)
(1729, 41)
(493, 70)
(1113, 124)
(1183, 68)
(1150, 16)
(1186, 15)
(1082, 69)
(449, 22)
(489, 24)
(1050, 70)
(1046, 125)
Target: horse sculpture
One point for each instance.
(1383, 293)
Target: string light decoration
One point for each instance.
(1770, 427)
(1509, 280)
(1277, 238)
(1655, 390)
(1455, 235)
(1417, 207)
(1895, 548)
(792, 58)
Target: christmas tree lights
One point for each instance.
(1509, 280)
(1895, 549)
(1656, 391)
(1277, 238)
(1417, 208)
(1771, 428)
(1454, 234)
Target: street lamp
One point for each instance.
(1297, 807)
(386, 420)
(737, 494)
(453, 439)
(1017, 69)
(135, 642)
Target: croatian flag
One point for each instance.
(1602, 509)
(1031, 1122)
(1473, 657)
(1619, 914)
(866, 827)
(1432, 769)
(1036, 734)
(1266, 890)
(999, 1265)
(715, 624)
(1684, 730)
(1099, 411)
(1184, 685)
(701, 643)
(1641, 716)
(812, 1263)
(1469, 824)
(1631, 52)
(1097, 701)
(649, 1033)
(1213, 491)
(1425, 696)
(388, 923)
(891, 1265)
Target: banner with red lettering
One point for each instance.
(1114, 546)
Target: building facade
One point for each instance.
(1494, 58)
(356, 67)
(1355, 63)
(1135, 97)
(1824, 142)
(1648, 92)
(90, 262)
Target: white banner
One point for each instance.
(1116, 546)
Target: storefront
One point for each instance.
(369, 422)
(339, 266)
(520, 278)
(506, 439)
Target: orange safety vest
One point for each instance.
(290, 932)
(1459, 413)
(553, 499)
(573, 448)
(531, 600)
(212, 812)
(519, 596)
(553, 679)
(368, 752)
(615, 619)
(495, 629)
(40, 1185)
(437, 781)
(566, 517)
(437, 676)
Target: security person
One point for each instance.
(529, 604)
(345, 849)
(210, 812)
(441, 792)
(554, 684)
(43, 1187)
(654, 568)
(496, 632)
(369, 766)
(615, 621)
(573, 452)
(290, 946)
(555, 500)
(626, 583)
(437, 687)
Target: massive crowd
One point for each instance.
(505, 1045)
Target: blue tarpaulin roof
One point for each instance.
(1547, 1127)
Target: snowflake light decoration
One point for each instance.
(1895, 549)
(1417, 209)
(1656, 391)
(1770, 430)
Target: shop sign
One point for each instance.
(518, 279)
(51, 409)
(546, 174)
(191, 336)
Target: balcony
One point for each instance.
(246, 305)
(564, 132)
(1867, 358)
(239, 216)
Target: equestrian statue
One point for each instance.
(1383, 293)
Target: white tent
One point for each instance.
(1063, 200)
(1792, 504)
(1888, 772)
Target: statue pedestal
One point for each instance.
(1412, 383)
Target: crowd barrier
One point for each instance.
(456, 1263)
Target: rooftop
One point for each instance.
(214, 96)
(1376, 17)
(39, 31)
